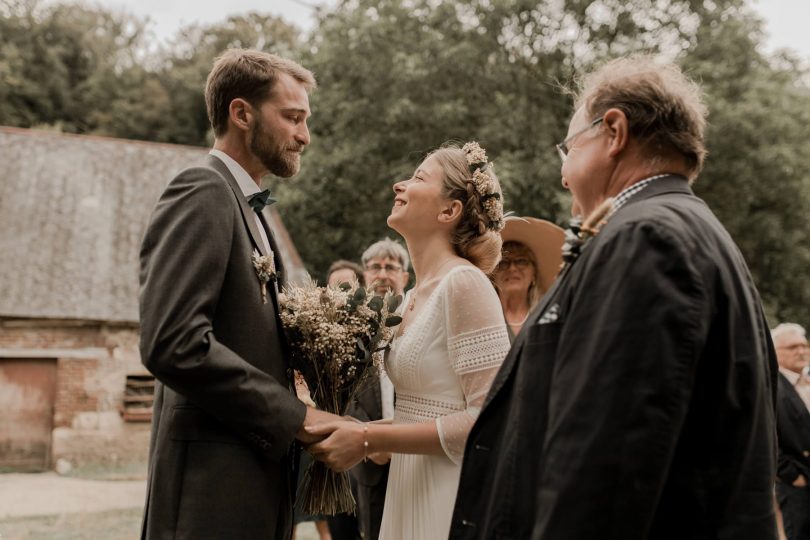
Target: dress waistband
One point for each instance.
(412, 409)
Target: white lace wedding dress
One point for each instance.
(441, 367)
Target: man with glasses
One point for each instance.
(793, 429)
(638, 400)
(385, 267)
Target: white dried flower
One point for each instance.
(475, 154)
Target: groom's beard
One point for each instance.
(280, 159)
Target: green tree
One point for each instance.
(62, 64)
(84, 69)
(757, 174)
(398, 78)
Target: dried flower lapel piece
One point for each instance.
(265, 266)
(579, 232)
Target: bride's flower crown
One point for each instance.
(489, 196)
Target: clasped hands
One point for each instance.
(338, 442)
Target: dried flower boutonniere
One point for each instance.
(265, 266)
(579, 232)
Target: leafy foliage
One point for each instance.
(400, 77)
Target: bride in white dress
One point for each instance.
(450, 344)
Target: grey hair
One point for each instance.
(387, 248)
(785, 329)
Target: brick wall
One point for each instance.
(21, 334)
(92, 362)
(74, 391)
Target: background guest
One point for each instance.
(386, 268)
(793, 431)
(344, 271)
(530, 259)
(345, 526)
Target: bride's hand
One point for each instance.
(343, 447)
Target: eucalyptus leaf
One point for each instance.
(376, 304)
(393, 320)
(345, 286)
(359, 295)
(394, 302)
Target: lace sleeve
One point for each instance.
(477, 342)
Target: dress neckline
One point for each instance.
(402, 331)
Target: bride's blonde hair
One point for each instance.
(476, 237)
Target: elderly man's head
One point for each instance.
(385, 265)
(792, 351)
(634, 118)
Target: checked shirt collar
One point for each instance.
(628, 192)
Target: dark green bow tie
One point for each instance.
(261, 199)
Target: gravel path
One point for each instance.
(23, 495)
(49, 506)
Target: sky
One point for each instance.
(786, 20)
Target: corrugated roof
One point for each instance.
(73, 210)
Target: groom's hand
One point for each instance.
(343, 447)
(313, 418)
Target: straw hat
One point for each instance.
(543, 239)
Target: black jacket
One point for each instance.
(638, 401)
(793, 429)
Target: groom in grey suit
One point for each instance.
(226, 415)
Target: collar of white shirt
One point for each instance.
(246, 183)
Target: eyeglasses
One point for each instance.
(520, 264)
(377, 268)
(563, 149)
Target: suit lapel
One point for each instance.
(271, 239)
(520, 340)
(669, 184)
(248, 215)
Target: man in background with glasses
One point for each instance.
(638, 400)
(385, 265)
(793, 429)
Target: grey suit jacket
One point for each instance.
(225, 417)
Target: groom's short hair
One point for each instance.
(250, 75)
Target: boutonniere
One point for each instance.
(265, 266)
(579, 231)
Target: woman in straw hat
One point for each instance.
(530, 259)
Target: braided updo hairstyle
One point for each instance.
(477, 236)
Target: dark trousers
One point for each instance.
(795, 505)
(343, 527)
